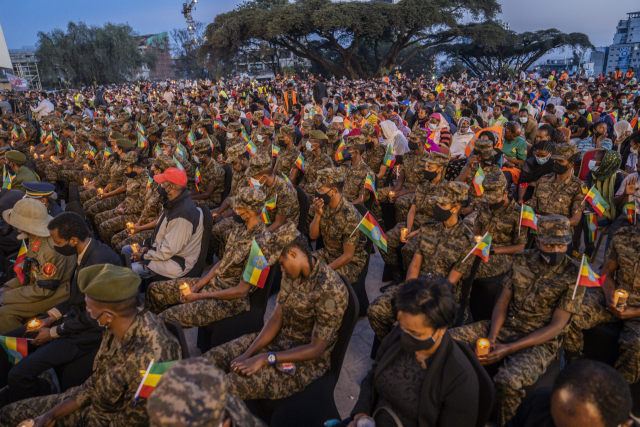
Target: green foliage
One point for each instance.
(332, 34)
(185, 52)
(87, 54)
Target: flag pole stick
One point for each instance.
(575, 289)
(520, 224)
(357, 226)
(144, 378)
(474, 248)
(585, 196)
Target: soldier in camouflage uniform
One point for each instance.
(136, 179)
(194, 393)
(499, 216)
(288, 154)
(316, 161)
(201, 130)
(621, 269)
(78, 172)
(107, 397)
(28, 135)
(101, 168)
(169, 148)
(308, 313)
(333, 141)
(536, 301)
(420, 212)
(53, 170)
(375, 152)
(264, 139)
(336, 220)
(410, 176)
(356, 175)
(205, 304)
(234, 132)
(442, 249)
(209, 190)
(257, 120)
(482, 156)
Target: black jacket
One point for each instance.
(75, 326)
(449, 395)
(8, 198)
(319, 91)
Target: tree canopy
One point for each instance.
(84, 55)
(331, 34)
(489, 48)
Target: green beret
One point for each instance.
(248, 198)
(124, 143)
(554, 230)
(494, 185)
(116, 135)
(317, 134)
(16, 157)
(108, 283)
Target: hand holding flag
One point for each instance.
(597, 201)
(586, 277)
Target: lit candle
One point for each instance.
(620, 298)
(135, 247)
(482, 347)
(33, 325)
(100, 191)
(403, 233)
(84, 181)
(184, 289)
(31, 149)
(478, 238)
(35, 156)
(87, 167)
(129, 225)
(391, 194)
(27, 423)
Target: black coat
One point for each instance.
(319, 91)
(450, 392)
(8, 198)
(75, 326)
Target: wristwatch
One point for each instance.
(272, 358)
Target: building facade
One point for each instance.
(25, 66)
(159, 44)
(625, 50)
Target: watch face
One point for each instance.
(271, 358)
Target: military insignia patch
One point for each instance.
(49, 269)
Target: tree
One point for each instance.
(331, 34)
(87, 54)
(489, 48)
(185, 51)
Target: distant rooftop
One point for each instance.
(23, 49)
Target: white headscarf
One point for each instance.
(393, 136)
(389, 129)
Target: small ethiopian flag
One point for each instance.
(478, 180)
(482, 248)
(596, 200)
(257, 268)
(150, 379)
(275, 150)
(342, 155)
(271, 203)
(300, 163)
(178, 164)
(18, 266)
(71, 151)
(286, 179)
(107, 153)
(191, 138)
(265, 216)
(142, 140)
(198, 179)
(369, 226)
(149, 182)
(592, 227)
(251, 148)
(586, 277)
(16, 348)
(389, 157)
(370, 185)
(630, 211)
(528, 218)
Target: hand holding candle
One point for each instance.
(33, 325)
(403, 234)
(482, 347)
(620, 298)
(184, 289)
(135, 247)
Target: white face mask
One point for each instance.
(260, 138)
(634, 151)
(432, 126)
(180, 127)
(256, 183)
(229, 135)
(137, 110)
(309, 147)
(593, 166)
(164, 125)
(196, 159)
(524, 119)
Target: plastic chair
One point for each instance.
(315, 404)
(566, 132)
(305, 204)
(177, 331)
(487, 394)
(228, 177)
(584, 164)
(247, 322)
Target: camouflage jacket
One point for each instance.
(337, 229)
(625, 250)
(413, 167)
(286, 161)
(151, 209)
(375, 156)
(212, 175)
(136, 187)
(286, 202)
(422, 198)
(354, 179)
(313, 165)
(552, 196)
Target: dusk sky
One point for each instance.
(22, 19)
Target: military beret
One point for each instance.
(82, 134)
(249, 198)
(564, 151)
(485, 146)
(354, 141)
(368, 130)
(235, 151)
(329, 176)
(278, 240)
(193, 392)
(98, 133)
(116, 135)
(260, 163)
(169, 141)
(108, 283)
(16, 157)
(287, 130)
(124, 143)
(259, 114)
(279, 117)
(163, 162)
(494, 185)
(202, 145)
(419, 133)
(129, 158)
(234, 127)
(317, 134)
(554, 229)
(436, 158)
(152, 129)
(451, 192)
(266, 130)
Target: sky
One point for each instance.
(22, 19)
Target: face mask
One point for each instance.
(560, 169)
(487, 162)
(368, 145)
(593, 165)
(429, 175)
(66, 250)
(309, 146)
(254, 122)
(238, 218)
(229, 135)
(94, 321)
(163, 192)
(440, 106)
(23, 125)
(260, 138)
(411, 344)
(624, 101)
(86, 128)
(282, 143)
(137, 110)
(277, 126)
(571, 116)
(542, 160)
(440, 214)
(325, 197)
(582, 111)
(523, 120)
(164, 125)
(497, 205)
(432, 126)
(552, 258)
(131, 174)
(256, 183)
(413, 145)
(196, 159)
(634, 151)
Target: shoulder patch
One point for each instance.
(330, 304)
(36, 245)
(49, 269)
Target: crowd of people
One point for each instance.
(105, 202)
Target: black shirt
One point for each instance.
(580, 122)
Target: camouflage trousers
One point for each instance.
(86, 195)
(13, 414)
(70, 176)
(160, 295)
(52, 172)
(209, 203)
(101, 205)
(395, 248)
(382, 314)
(350, 270)
(109, 223)
(592, 313)
(124, 238)
(219, 235)
(402, 203)
(518, 370)
(268, 382)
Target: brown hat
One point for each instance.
(259, 114)
(287, 130)
(368, 130)
(201, 145)
(82, 134)
(266, 130)
(98, 133)
(485, 146)
(564, 151)
(169, 141)
(451, 192)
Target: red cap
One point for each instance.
(173, 175)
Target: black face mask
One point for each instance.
(560, 169)
(346, 154)
(66, 250)
(413, 145)
(487, 162)
(277, 126)
(430, 176)
(163, 192)
(552, 258)
(255, 123)
(282, 143)
(325, 197)
(440, 214)
(238, 218)
(368, 145)
(151, 173)
(497, 205)
(116, 156)
(131, 174)
(411, 344)
(94, 322)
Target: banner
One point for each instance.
(17, 83)
(623, 59)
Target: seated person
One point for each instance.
(585, 393)
(294, 347)
(598, 139)
(209, 189)
(444, 243)
(15, 166)
(222, 292)
(45, 193)
(629, 192)
(533, 309)
(514, 151)
(131, 340)
(537, 165)
(420, 372)
(175, 246)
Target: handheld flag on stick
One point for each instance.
(341, 146)
(22, 253)
(142, 141)
(342, 155)
(271, 203)
(630, 211)
(257, 268)
(369, 226)
(180, 150)
(592, 227)
(528, 218)
(140, 128)
(16, 348)
(275, 150)
(198, 179)
(587, 278)
(92, 154)
(251, 148)
(389, 158)
(478, 180)
(150, 380)
(178, 165)
(286, 179)
(149, 182)
(370, 185)
(481, 249)
(300, 162)
(191, 138)
(597, 202)
(244, 135)
(14, 133)
(265, 216)
(219, 125)
(157, 151)
(71, 151)
(59, 146)
(8, 180)
(107, 153)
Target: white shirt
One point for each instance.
(635, 197)
(168, 96)
(486, 115)
(44, 107)
(632, 161)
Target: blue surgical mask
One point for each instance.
(593, 166)
(542, 160)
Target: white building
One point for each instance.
(625, 50)
(5, 63)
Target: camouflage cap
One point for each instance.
(57, 127)
(128, 158)
(86, 120)
(259, 114)
(202, 123)
(60, 109)
(266, 130)
(173, 109)
(288, 130)
(248, 198)
(161, 117)
(152, 129)
(317, 134)
(124, 143)
(201, 145)
(4, 134)
(279, 240)
(485, 146)
(183, 109)
(451, 192)
(332, 130)
(102, 108)
(115, 123)
(163, 162)
(419, 133)
(234, 127)
(354, 141)
(127, 128)
(554, 230)
(193, 392)
(182, 120)
(98, 133)
(260, 163)
(234, 113)
(99, 121)
(82, 134)
(494, 185)
(172, 128)
(368, 130)
(234, 152)
(278, 117)
(329, 176)
(169, 141)
(436, 158)
(308, 125)
(564, 151)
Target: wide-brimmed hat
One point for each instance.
(29, 215)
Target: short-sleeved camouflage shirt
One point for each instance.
(413, 167)
(354, 179)
(554, 197)
(625, 250)
(286, 160)
(286, 200)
